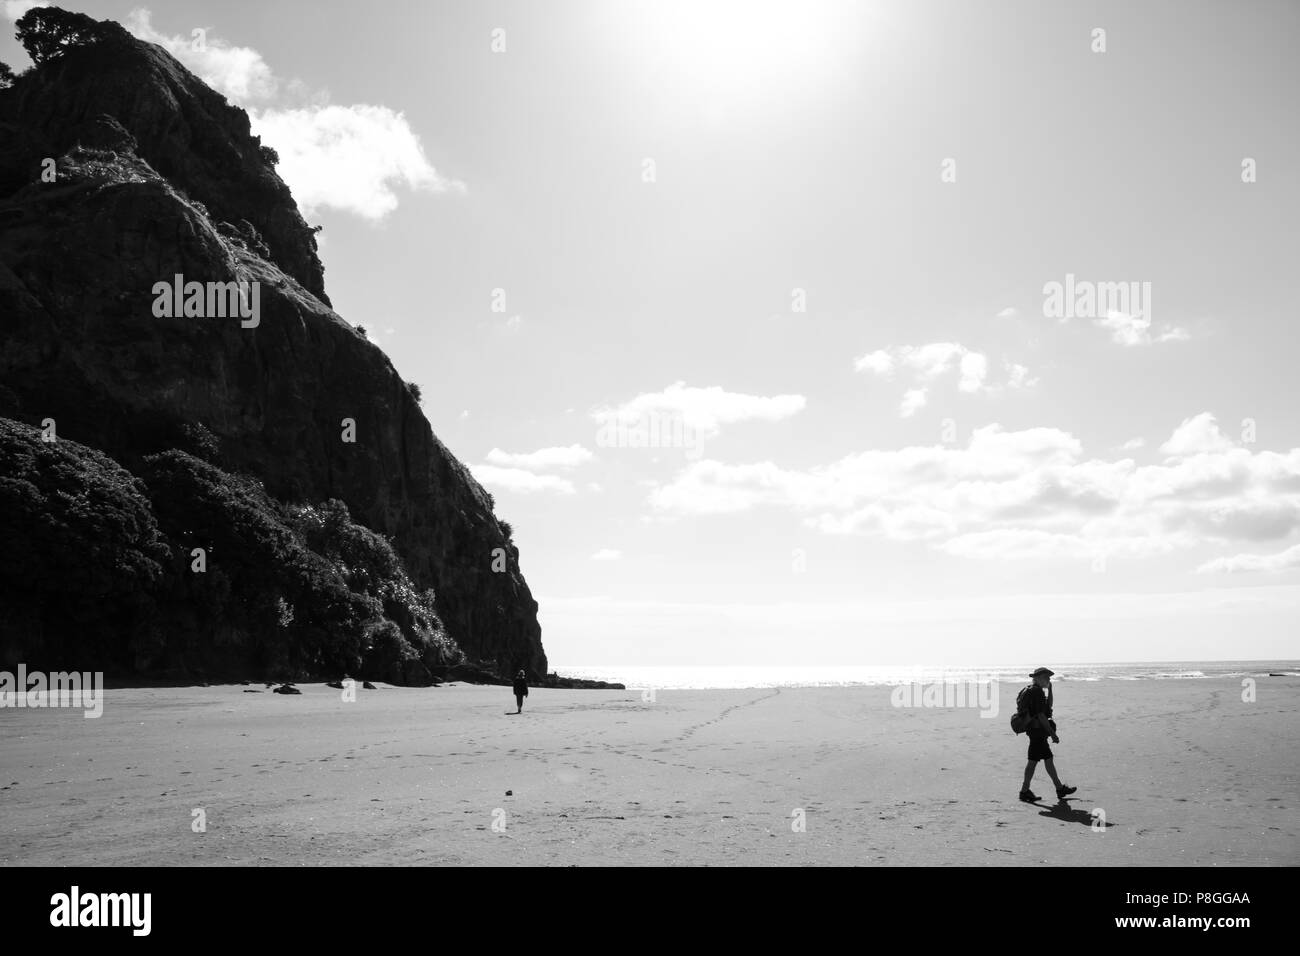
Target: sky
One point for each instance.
(823, 333)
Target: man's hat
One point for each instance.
(1043, 670)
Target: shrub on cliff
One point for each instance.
(82, 553)
(368, 565)
(195, 569)
(387, 652)
(298, 590)
(198, 440)
(231, 557)
(288, 610)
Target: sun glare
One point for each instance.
(728, 55)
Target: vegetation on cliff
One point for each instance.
(188, 569)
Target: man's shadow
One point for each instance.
(1068, 814)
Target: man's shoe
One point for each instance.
(1065, 791)
(1028, 796)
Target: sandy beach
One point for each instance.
(1184, 770)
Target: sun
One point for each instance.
(735, 55)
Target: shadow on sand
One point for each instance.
(1068, 814)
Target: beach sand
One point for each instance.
(1184, 770)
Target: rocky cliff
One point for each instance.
(158, 176)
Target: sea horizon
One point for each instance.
(738, 677)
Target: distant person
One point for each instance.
(521, 690)
(1038, 705)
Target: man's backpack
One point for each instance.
(1020, 719)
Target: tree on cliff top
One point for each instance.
(6, 76)
(46, 32)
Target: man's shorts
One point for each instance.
(1038, 749)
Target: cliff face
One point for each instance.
(127, 95)
(159, 176)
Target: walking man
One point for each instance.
(1038, 702)
(521, 690)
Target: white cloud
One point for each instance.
(607, 554)
(704, 410)
(518, 480)
(927, 363)
(348, 157)
(913, 399)
(974, 369)
(567, 457)
(931, 361)
(1126, 329)
(879, 361)
(1008, 313)
(1195, 436)
(1282, 561)
(1025, 494)
(519, 471)
(1133, 444)
(1131, 330)
(1018, 376)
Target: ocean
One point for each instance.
(736, 677)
